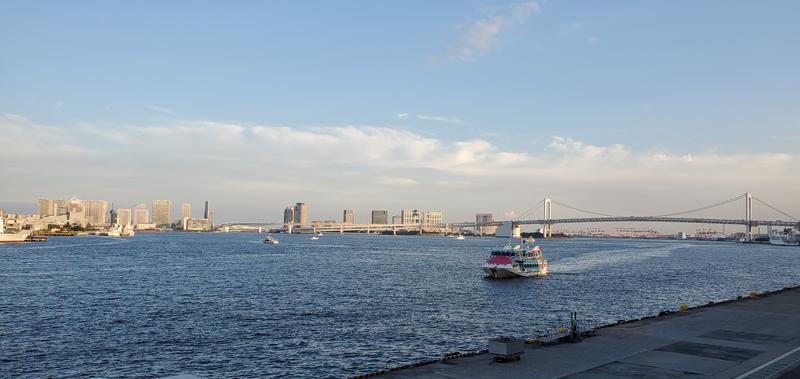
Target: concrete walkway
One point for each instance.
(758, 338)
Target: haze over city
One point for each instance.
(461, 107)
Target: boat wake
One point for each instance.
(46, 246)
(591, 261)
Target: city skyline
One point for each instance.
(498, 104)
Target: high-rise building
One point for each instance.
(288, 215)
(95, 211)
(208, 214)
(44, 207)
(161, 212)
(75, 211)
(301, 214)
(407, 216)
(411, 216)
(348, 217)
(50, 207)
(124, 216)
(430, 218)
(397, 220)
(484, 218)
(186, 210)
(141, 215)
(380, 217)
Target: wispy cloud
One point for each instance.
(156, 108)
(397, 181)
(482, 35)
(401, 115)
(449, 120)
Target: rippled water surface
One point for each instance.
(226, 305)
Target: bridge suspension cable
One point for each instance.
(584, 210)
(531, 210)
(737, 198)
(774, 209)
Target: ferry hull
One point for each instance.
(506, 273)
(16, 237)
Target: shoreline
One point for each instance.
(541, 342)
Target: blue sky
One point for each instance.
(485, 88)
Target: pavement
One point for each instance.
(748, 338)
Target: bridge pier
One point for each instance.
(748, 215)
(547, 231)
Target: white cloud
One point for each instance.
(481, 36)
(239, 162)
(449, 120)
(401, 115)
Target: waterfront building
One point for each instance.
(301, 214)
(196, 224)
(410, 216)
(186, 210)
(380, 217)
(430, 218)
(484, 218)
(288, 215)
(348, 217)
(397, 220)
(124, 216)
(161, 212)
(323, 223)
(95, 211)
(208, 214)
(141, 215)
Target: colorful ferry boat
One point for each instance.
(518, 261)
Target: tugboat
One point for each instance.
(517, 261)
(271, 241)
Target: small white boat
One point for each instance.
(314, 238)
(460, 237)
(271, 240)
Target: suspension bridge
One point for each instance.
(512, 228)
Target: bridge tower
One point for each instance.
(548, 215)
(748, 215)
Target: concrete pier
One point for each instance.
(749, 338)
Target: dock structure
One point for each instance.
(748, 338)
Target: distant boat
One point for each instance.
(314, 238)
(271, 240)
(785, 237)
(460, 237)
(118, 230)
(20, 236)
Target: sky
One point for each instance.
(622, 107)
